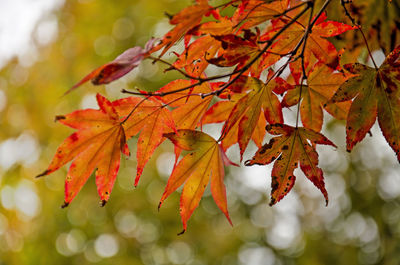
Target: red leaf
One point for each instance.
(121, 65)
(291, 147)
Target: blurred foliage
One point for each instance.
(361, 225)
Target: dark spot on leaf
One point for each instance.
(74, 137)
(274, 184)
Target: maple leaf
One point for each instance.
(317, 44)
(189, 106)
(322, 84)
(380, 19)
(117, 68)
(97, 144)
(246, 112)
(149, 118)
(375, 93)
(238, 51)
(254, 12)
(194, 58)
(222, 26)
(291, 147)
(205, 162)
(219, 112)
(185, 20)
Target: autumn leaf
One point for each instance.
(194, 58)
(219, 112)
(185, 20)
(291, 147)
(97, 144)
(317, 44)
(246, 112)
(322, 83)
(190, 107)
(203, 164)
(149, 118)
(254, 12)
(119, 67)
(222, 26)
(375, 93)
(238, 51)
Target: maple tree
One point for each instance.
(259, 40)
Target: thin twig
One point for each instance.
(353, 21)
(130, 113)
(174, 68)
(304, 75)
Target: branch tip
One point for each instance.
(43, 174)
(59, 117)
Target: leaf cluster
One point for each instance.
(253, 47)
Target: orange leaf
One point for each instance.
(216, 28)
(194, 58)
(204, 162)
(185, 20)
(254, 12)
(322, 83)
(97, 144)
(151, 119)
(317, 45)
(245, 114)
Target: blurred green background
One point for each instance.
(361, 225)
